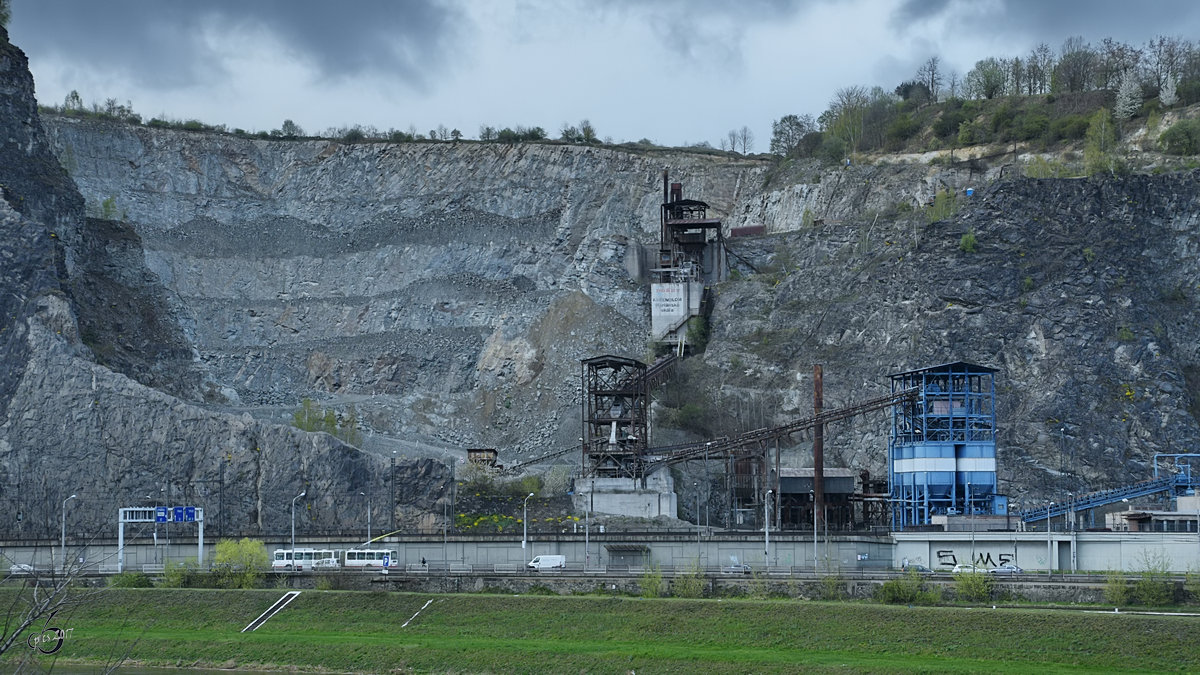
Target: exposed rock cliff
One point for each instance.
(448, 291)
(76, 292)
(1082, 293)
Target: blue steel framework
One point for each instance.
(942, 448)
(1179, 479)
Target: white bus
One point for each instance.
(370, 557)
(301, 558)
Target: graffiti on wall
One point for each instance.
(947, 558)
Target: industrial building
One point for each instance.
(941, 451)
(942, 446)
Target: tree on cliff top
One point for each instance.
(5, 13)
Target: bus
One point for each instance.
(303, 558)
(370, 557)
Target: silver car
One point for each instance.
(1006, 569)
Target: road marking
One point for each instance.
(418, 612)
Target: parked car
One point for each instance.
(21, 568)
(1006, 569)
(967, 568)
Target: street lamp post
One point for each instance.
(63, 542)
(525, 521)
(812, 496)
(1069, 525)
(1049, 548)
(302, 493)
(767, 528)
(167, 525)
(707, 484)
(587, 525)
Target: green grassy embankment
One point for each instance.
(362, 632)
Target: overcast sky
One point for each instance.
(673, 71)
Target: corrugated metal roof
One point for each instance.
(955, 367)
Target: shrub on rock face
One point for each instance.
(1183, 138)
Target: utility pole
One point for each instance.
(818, 445)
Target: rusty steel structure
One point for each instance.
(691, 259)
(686, 233)
(747, 444)
(652, 377)
(748, 456)
(615, 439)
(616, 403)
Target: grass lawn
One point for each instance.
(346, 631)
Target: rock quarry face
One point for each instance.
(443, 294)
(102, 393)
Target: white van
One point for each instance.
(545, 562)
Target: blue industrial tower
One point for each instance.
(942, 449)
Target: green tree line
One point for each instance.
(1046, 96)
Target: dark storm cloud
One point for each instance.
(705, 29)
(162, 44)
(1053, 21)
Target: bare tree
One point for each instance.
(878, 114)
(1016, 76)
(846, 112)
(1038, 66)
(745, 139)
(1076, 66)
(730, 142)
(1166, 56)
(930, 74)
(1114, 61)
(36, 616)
